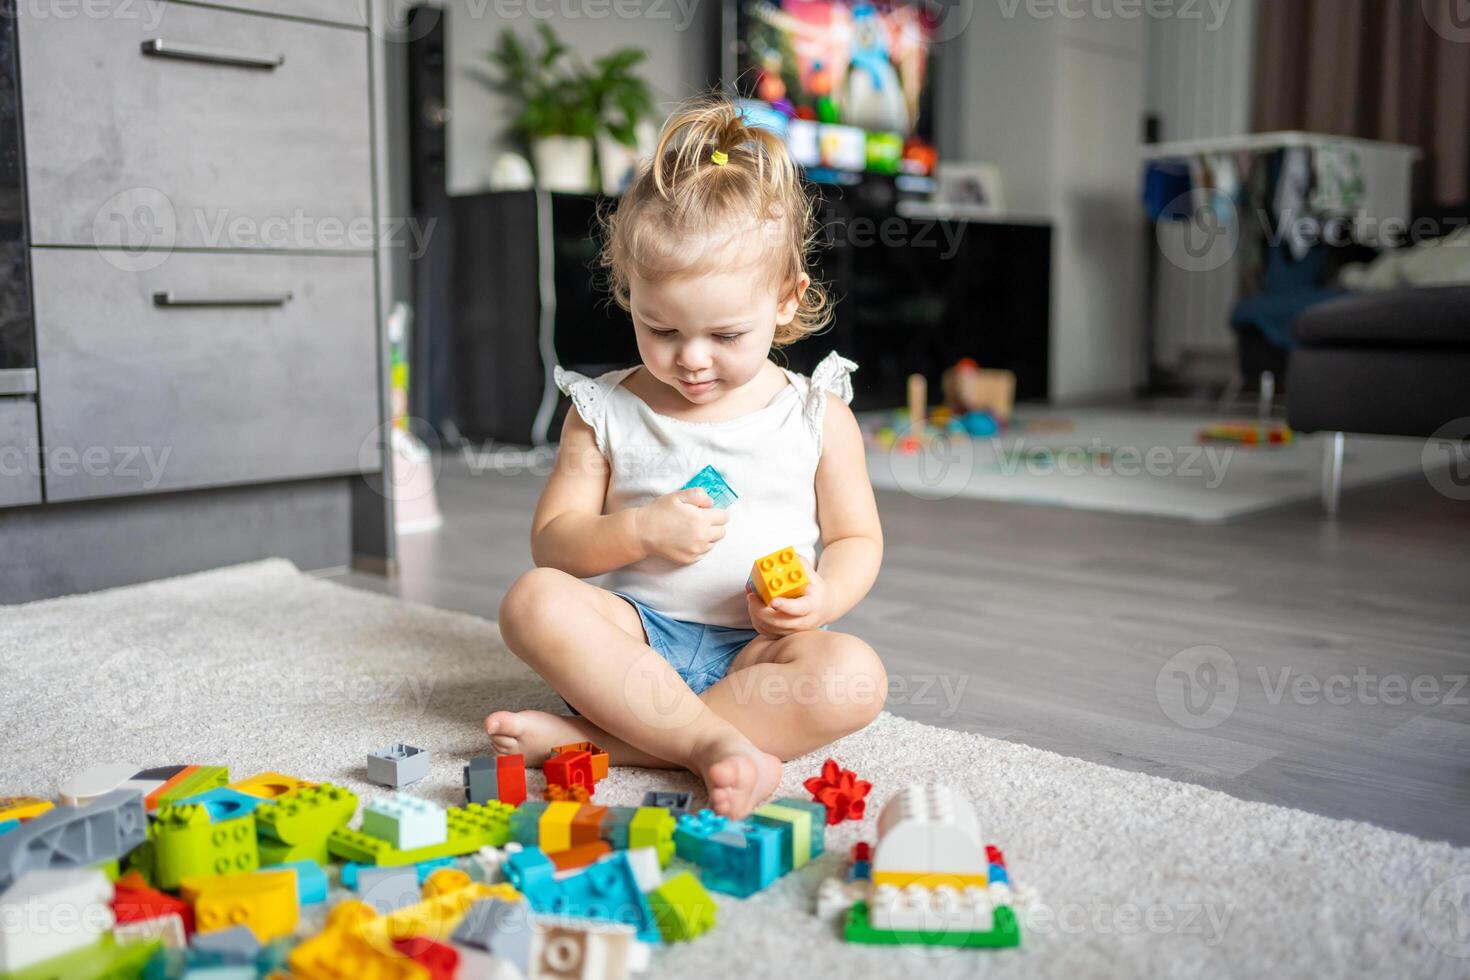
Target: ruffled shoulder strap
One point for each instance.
(833, 374)
(589, 397)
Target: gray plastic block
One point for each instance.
(675, 802)
(480, 782)
(387, 889)
(234, 945)
(501, 928)
(398, 765)
(72, 837)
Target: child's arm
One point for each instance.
(570, 531)
(852, 537)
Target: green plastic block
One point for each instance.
(1006, 933)
(274, 852)
(471, 827)
(307, 815)
(201, 780)
(653, 826)
(819, 820)
(186, 844)
(104, 961)
(682, 908)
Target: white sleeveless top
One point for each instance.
(768, 457)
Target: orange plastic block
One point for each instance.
(561, 794)
(579, 855)
(599, 757)
(587, 824)
(568, 769)
(265, 901)
(778, 574)
(23, 807)
(271, 785)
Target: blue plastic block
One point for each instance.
(741, 860)
(860, 871)
(998, 875)
(674, 802)
(615, 826)
(501, 928)
(224, 803)
(106, 829)
(525, 823)
(607, 891)
(350, 870)
(311, 881)
(819, 820)
(234, 945)
(691, 830)
(783, 843)
(6, 826)
(407, 822)
(713, 483)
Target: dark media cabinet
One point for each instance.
(915, 294)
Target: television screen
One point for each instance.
(838, 63)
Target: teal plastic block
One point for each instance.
(311, 881)
(712, 482)
(819, 820)
(615, 825)
(525, 823)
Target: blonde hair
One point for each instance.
(686, 193)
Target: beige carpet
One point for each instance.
(261, 667)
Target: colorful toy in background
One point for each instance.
(969, 388)
(1247, 433)
(840, 791)
(977, 403)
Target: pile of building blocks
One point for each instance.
(930, 880)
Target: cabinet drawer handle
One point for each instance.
(174, 299)
(159, 48)
(17, 381)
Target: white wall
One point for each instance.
(680, 36)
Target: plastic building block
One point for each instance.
(929, 835)
(236, 944)
(1004, 932)
(555, 832)
(470, 828)
(180, 783)
(167, 930)
(819, 820)
(186, 843)
(587, 824)
(89, 784)
(224, 803)
(70, 837)
(835, 897)
(563, 794)
(387, 889)
(501, 928)
(644, 862)
(50, 913)
(510, 778)
(531, 873)
(104, 959)
(693, 829)
(311, 881)
(23, 807)
(615, 825)
(133, 901)
(271, 785)
(682, 908)
(525, 823)
(778, 574)
(579, 855)
(607, 890)
(351, 869)
(796, 843)
(265, 901)
(441, 961)
(342, 951)
(942, 909)
(712, 482)
(406, 822)
(599, 757)
(860, 871)
(840, 791)
(566, 947)
(568, 769)
(862, 851)
(671, 800)
(397, 765)
(998, 875)
(479, 780)
(6, 826)
(742, 860)
(296, 828)
(653, 827)
(993, 855)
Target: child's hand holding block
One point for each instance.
(712, 482)
(779, 574)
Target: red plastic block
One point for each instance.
(440, 960)
(993, 855)
(510, 779)
(840, 791)
(561, 794)
(134, 901)
(862, 851)
(568, 769)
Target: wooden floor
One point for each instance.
(1349, 640)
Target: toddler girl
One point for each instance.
(674, 662)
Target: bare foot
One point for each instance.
(530, 733)
(739, 776)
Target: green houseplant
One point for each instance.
(565, 107)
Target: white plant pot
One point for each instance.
(563, 163)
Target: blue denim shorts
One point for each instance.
(701, 654)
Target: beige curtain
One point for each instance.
(1395, 70)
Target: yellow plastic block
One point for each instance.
(778, 574)
(271, 785)
(554, 831)
(265, 901)
(23, 807)
(801, 830)
(343, 954)
(928, 879)
(599, 757)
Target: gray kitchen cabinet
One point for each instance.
(20, 472)
(350, 12)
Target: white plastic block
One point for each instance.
(589, 948)
(835, 896)
(942, 909)
(51, 913)
(407, 822)
(169, 928)
(929, 829)
(86, 786)
(646, 870)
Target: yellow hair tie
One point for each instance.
(719, 158)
